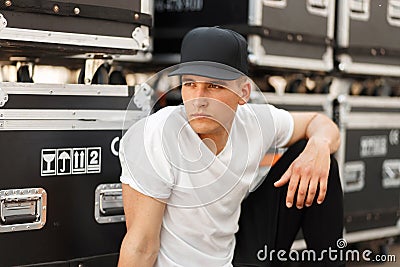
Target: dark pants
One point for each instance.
(267, 224)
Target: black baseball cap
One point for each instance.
(213, 52)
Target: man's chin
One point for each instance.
(202, 125)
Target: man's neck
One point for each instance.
(215, 142)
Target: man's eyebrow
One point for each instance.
(187, 80)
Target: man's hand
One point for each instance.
(310, 171)
(307, 173)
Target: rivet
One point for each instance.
(8, 3)
(51, 92)
(373, 52)
(1, 103)
(266, 32)
(12, 228)
(44, 208)
(383, 51)
(290, 37)
(56, 8)
(77, 11)
(98, 92)
(136, 16)
(299, 37)
(87, 80)
(27, 227)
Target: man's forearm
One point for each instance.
(322, 129)
(135, 253)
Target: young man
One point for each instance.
(187, 169)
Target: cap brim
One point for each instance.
(207, 69)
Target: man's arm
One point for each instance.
(143, 215)
(311, 169)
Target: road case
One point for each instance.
(46, 28)
(368, 36)
(60, 195)
(293, 34)
(370, 163)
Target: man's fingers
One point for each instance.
(294, 181)
(323, 185)
(312, 190)
(303, 187)
(284, 179)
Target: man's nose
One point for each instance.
(200, 96)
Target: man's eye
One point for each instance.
(191, 84)
(215, 86)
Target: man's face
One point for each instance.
(210, 104)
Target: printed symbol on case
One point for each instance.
(48, 163)
(78, 160)
(64, 161)
(93, 162)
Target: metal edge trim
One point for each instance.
(40, 36)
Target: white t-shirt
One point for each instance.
(162, 157)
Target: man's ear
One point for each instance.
(244, 93)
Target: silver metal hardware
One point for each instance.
(318, 7)
(141, 36)
(3, 98)
(108, 206)
(8, 3)
(354, 176)
(393, 12)
(391, 173)
(22, 209)
(142, 98)
(56, 8)
(3, 22)
(93, 62)
(275, 3)
(77, 11)
(359, 9)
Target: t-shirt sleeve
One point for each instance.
(283, 124)
(144, 167)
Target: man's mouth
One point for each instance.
(199, 115)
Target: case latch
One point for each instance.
(354, 176)
(22, 209)
(3, 22)
(391, 173)
(3, 96)
(142, 98)
(141, 37)
(108, 204)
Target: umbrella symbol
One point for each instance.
(64, 156)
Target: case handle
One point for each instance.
(354, 176)
(108, 204)
(22, 209)
(359, 9)
(393, 13)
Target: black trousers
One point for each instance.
(266, 223)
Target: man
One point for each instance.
(186, 169)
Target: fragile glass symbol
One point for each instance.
(48, 158)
